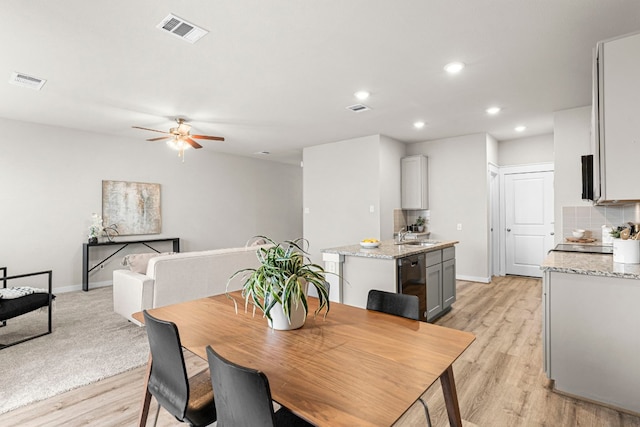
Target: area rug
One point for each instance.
(89, 342)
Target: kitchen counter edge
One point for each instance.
(388, 250)
(589, 264)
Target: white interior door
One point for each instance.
(528, 221)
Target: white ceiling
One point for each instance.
(276, 75)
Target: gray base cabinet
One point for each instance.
(591, 336)
(441, 282)
(448, 283)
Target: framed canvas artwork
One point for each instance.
(133, 206)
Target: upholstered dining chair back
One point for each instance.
(243, 396)
(168, 380)
(392, 303)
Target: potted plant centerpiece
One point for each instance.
(278, 287)
(420, 223)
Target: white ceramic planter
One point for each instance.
(626, 251)
(298, 316)
(280, 321)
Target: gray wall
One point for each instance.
(342, 180)
(522, 151)
(572, 139)
(459, 194)
(51, 182)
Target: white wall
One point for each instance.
(572, 139)
(391, 151)
(51, 182)
(459, 194)
(528, 150)
(341, 181)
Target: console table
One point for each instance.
(86, 248)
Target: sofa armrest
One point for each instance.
(132, 292)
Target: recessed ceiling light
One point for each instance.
(493, 110)
(362, 95)
(520, 128)
(418, 125)
(454, 67)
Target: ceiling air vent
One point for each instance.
(20, 79)
(358, 108)
(182, 29)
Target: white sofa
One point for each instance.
(180, 277)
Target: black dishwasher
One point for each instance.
(412, 280)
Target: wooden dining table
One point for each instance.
(352, 367)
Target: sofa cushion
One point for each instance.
(138, 262)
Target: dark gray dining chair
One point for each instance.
(392, 303)
(189, 400)
(243, 397)
(399, 305)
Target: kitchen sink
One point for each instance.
(419, 242)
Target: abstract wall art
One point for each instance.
(133, 206)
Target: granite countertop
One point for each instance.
(590, 264)
(388, 249)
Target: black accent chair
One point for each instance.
(243, 397)
(397, 304)
(14, 307)
(190, 400)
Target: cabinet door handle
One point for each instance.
(508, 229)
(552, 233)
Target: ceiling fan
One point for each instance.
(179, 137)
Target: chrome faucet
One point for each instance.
(401, 235)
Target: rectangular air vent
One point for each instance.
(358, 108)
(20, 79)
(181, 29)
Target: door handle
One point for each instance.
(552, 233)
(508, 229)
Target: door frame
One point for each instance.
(511, 170)
(495, 249)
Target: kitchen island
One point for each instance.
(591, 328)
(358, 270)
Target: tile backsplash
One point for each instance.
(592, 218)
(403, 217)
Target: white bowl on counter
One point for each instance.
(369, 245)
(578, 233)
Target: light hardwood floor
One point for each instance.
(499, 378)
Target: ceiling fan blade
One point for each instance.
(152, 130)
(159, 138)
(192, 143)
(214, 138)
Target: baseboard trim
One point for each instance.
(474, 279)
(73, 288)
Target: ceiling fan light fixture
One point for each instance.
(178, 144)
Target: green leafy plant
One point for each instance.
(284, 273)
(420, 221)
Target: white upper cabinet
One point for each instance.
(618, 117)
(414, 182)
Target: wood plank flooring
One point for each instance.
(499, 378)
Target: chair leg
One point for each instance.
(426, 412)
(155, 420)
